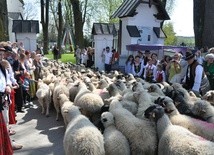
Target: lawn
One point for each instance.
(67, 57)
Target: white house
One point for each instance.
(103, 36)
(15, 12)
(140, 23)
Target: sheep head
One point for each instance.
(154, 112)
(107, 119)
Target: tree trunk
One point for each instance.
(208, 34)
(45, 22)
(78, 24)
(59, 40)
(198, 17)
(3, 21)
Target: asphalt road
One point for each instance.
(39, 135)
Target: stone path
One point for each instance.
(38, 134)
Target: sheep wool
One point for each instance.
(177, 140)
(141, 134)
(81, 136)
(114, 141)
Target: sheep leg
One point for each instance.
(47, 109)
(57, 112)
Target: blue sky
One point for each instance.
(181, 17)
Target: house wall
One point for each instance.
(28, 39)
(145, 21)
(100, 42)
(15, 6)
(12, 37)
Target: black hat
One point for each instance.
(189, 55)
(8, 49)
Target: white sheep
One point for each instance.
(115, 142)
(44, 97)
(198, 127)
(65, 105)
(204, 109)
(144, 100)
(176, 140)
(59, 89)
(141, 134)
(81, 136)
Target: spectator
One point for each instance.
(150, 71)
(155, 60)
(26, 88)
(137, 67)
(195, 79)
(160, 74)
(55, 52)
(78, 55)
(129, 63)
(174, 69)
(107, 54)
(209, 69)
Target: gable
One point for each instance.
(104, 29)
(128, 9)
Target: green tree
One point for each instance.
(170, 33)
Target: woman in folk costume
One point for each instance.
(5, 143)
(150, 71)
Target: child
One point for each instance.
(25, 86)
(150, 71)
(160, 74)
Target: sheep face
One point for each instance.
(200, 108)
(137, 86)
(154, 112)
(107, 119)
(167, 104)
(209, 96)
(153, 88)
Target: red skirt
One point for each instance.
(5, 143)
(12, 114)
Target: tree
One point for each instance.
(198, 17)
(170, 33)
(3, 21)
(78, 23)
(30, 11)
(45, 22)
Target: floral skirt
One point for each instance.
(5, 143)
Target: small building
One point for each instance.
(15, 12)
(25, 32)
(104, 34)
(140, 23)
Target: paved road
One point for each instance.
(38, 134)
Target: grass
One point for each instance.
(67, 57)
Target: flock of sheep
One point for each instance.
(114, 114)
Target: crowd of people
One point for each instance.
(194, 71)
(19, 71)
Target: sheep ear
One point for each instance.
(203, 111)
(153, 115)
(177, 103)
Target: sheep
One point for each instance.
(175, 139)
(81, 136)
(198, 127)
(115, 142)
(65, 104)
(44, 97)
(59, 89)
(90, 103)
(205, 110)
(144, 101)
(141, 134)
(209, 96)
(155, 90)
